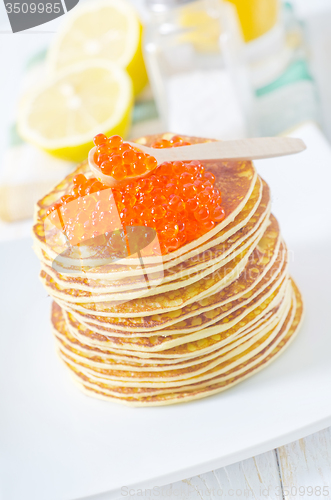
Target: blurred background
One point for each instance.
(213, 68)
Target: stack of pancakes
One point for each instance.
(153, 330)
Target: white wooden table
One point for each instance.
(299, 470)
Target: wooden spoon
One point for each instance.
(242, 149)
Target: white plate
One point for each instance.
(58, 444)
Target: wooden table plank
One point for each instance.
(305, 467)
(298, 471)
(256, 478)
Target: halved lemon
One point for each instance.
(64, 114)
(107, 29)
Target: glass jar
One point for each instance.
(285, 91)
(194, 58)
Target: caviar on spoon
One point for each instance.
(113, 161)
(180, 200)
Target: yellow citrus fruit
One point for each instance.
(107, 29)
(64, 114)
(257, 17)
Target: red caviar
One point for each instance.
(179, 200)
(119, 159)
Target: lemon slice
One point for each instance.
(64, 114)
(107, 29)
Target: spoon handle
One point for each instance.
(242, 149)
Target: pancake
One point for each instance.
(169, 301)
(156, 372)
(267, 253)
(209, 266)
(204, 340)
(226, 313)
(73, 347)
(253, 214)
(235, 375)
(235, 180)
(201, 371)
(206, 316)
(151, 329)
(221, 252)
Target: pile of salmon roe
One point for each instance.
(178, 200)
(119, 159)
